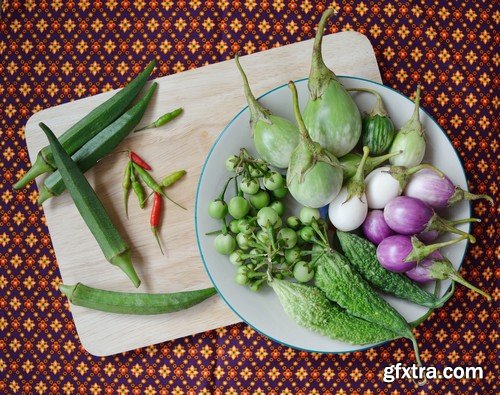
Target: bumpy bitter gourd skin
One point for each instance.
(310, 308)
(362, 255)
(344, 286)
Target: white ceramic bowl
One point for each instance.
(262, 310)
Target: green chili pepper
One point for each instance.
(90, 125)
(171, 179)
(99, 146)
(126, 185)
(91, 209)
(162, 120)
(151, 182)
(133, 303)
(137, 187)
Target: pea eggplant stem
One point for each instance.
(155, 218)
(116, 251)
(133, 303)
(89, 126)
(164, 119)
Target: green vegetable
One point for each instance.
(351, 161)
(126, 185)
(133, 303)
(260, 199)
(137, 187)
(275, 138)
(331, 116)
(91, 209)
(302, 272)
(362, 256)
(217, 209)
(90, 125)
(224, 244)
(410, 139)
(310, 308)
(164, 119)
(238, 207)
(377, 127)
(99, 146)
(172, 178)
(314, 176)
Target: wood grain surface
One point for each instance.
(210, 96)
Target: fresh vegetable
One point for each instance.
(427, 236)
(350, 163)
(307, 215)
(362, 256)
(310, 308)
(172, 178)
(343, 285)
(436, 191)
(348, 209)
(164, 119)
(91, 209)
(314, 175)
(224, 244)
(151, 183)
(436, 267)
(331, 116)
(400, 253)
(137, 187)
(139, 161)
(89, 126)
(375, 228)
(387, 182)
(410, 139)
(408, 216)
(378, 129)
(275, 137)
(154, 219)
(126, 185)
(99, 146)
(133, 303)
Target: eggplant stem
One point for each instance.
(421, 251)
(464, 221)
(416, 109)
(378, 108)
(459, 279)
(356, 185)
(257, 111)
(444, 225)
(296, 111)
(461, 194)
(413, 170)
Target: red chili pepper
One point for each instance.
(154, 219)
(139, 161)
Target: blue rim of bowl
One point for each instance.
(196, 214)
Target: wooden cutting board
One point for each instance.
(210, 96)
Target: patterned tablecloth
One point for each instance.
(53, 51)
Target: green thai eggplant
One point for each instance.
(331, 116)
(275, 138)
(377, 130)
(314, 176)
(410, 139)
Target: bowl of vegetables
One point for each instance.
(327, 207)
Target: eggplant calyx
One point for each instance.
(403, 174)
(461, 194)
(257, 111)
(356, 185)
(442, 269)
(443, 225)
(320, 75)
(420, 251)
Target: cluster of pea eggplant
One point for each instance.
(254, 236)
(331, 127)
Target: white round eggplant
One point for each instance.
(381, 188)
(347, 214)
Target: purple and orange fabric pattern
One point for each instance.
(54, 51)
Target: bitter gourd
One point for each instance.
(310, 308)
(362, 255)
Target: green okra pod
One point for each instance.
(89, 126)
(133, 303)
(99, 146)
(116, 251)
